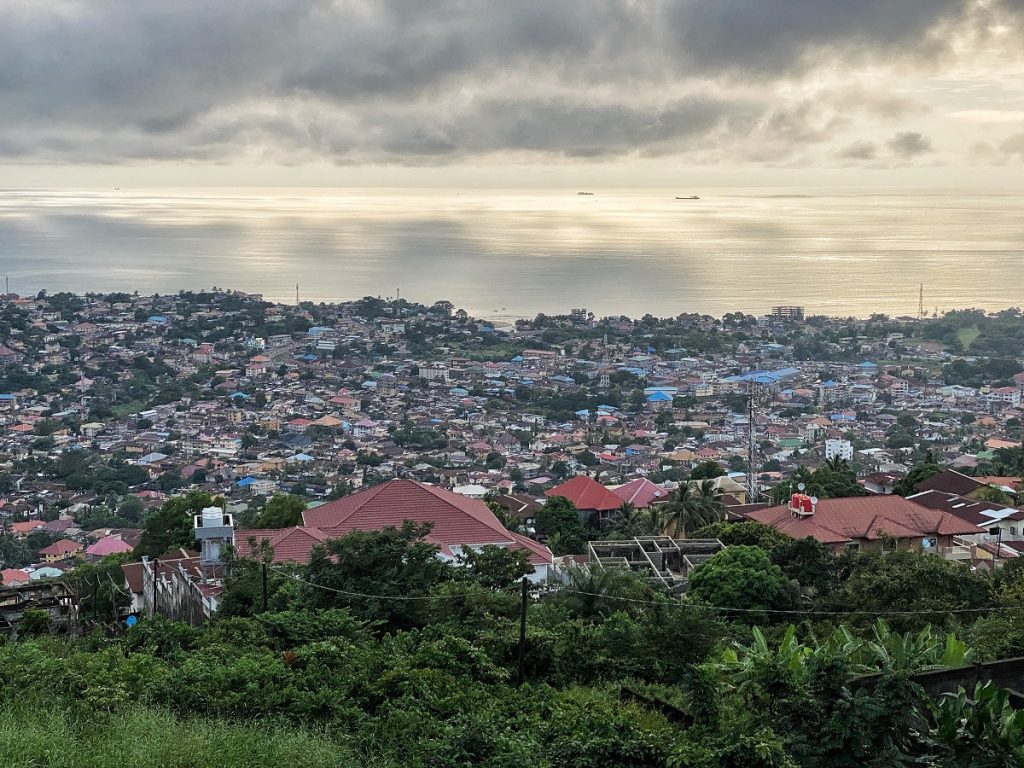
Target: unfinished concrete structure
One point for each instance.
(662, 559)
(56, 598)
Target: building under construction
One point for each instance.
(55, 598)
(661, 559)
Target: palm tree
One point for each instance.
(597, 592)
(655, 520)
(626, 520)
(694, 505)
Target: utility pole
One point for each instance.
(522, 633)
(264, 587)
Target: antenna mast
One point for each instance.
(752, 490)
(296, 294)
(920, 303)
(605, 381)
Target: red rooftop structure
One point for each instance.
(594, 502)
(458, 523)
(865, 521)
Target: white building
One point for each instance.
(839, 449)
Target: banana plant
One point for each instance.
(980, 731)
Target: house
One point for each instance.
(881, 482)
(459, 524)
(64, 549)
(640, 493)
(108, 545)
(22, 528)
(594, 502)
(14, 577)
(864, 522)
(950, 481)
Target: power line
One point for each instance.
(799, 611)
(679, 604)
(399, 598)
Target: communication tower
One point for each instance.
(605, 381)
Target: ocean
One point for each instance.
(514, 253)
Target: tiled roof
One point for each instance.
(457, 520)
(864, 517)
(586, 493)
(108, 545)
(62, 547)
(950, 481)
(290, 544)
(10, 576)
(640, 492)
(133, 576)
(971, 510)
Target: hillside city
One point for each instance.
(113, 404)
(779, 540)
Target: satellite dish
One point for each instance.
(800, 486)
(814, 499)
(926, 543)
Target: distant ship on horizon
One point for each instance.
(689, 197)
(584, 193)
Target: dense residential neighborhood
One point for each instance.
(856, 433)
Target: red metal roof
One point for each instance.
(290, 544)
(61, 547)
(457, 520)
(640, 492)
(586, 493)
(864, 517)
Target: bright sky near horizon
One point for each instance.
(573, 93)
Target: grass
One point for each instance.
(45, 735)
(127, 409)
(968, 336)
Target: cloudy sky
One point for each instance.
(524, 93)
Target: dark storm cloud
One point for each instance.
(909, 144)
(412, 81)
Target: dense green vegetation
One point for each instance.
(378, 653)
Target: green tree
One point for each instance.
(374, 573)
(496, 567)
(131, 508)
(907, 485)
(172, 526)
(558, 521)
(695, 504)
(741, 577)
(873, 582)
(282, 511)
(707, 470)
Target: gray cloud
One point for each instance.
(1013, 146)
(423, 82)
(859, 150)
(909, 144)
